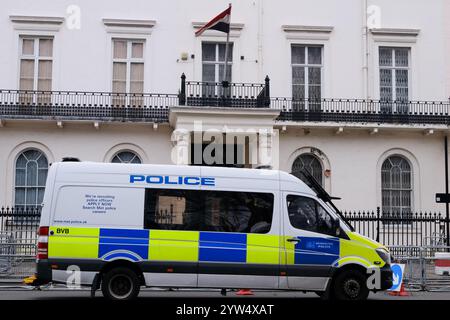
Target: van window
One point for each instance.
(238, 211)
(197, 210)
(307, 214)
(172, 209)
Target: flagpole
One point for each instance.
(226, 50)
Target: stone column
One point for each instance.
(181, 139)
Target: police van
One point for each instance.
(124, 226)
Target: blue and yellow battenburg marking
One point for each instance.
(123, 243)
(191, 246)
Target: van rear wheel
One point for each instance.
(350, 285)
(120, 284)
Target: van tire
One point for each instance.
(350, 285)
(120, 284)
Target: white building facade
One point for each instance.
(357, 91)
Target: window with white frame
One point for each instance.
(30, 177)
(213, 61)
(126, 157)
(394, 78)
(396, 186)
(307, 68)
(128, 72)
(36, 65)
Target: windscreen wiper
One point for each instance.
(311, 182)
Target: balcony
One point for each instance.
(98, 106)
(152, 107)
(363, 111)
(225, 94)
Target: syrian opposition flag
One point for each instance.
(219, 23)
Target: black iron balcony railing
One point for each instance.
(85, 105)
(225, 94)
(356, 110)
(103, 106)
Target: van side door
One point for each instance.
(310, 247)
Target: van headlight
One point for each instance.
(384, 255)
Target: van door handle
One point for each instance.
(293, 240)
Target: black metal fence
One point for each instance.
(412, 229)
(18, 239)
(392, 229)
(358, 110)
(225, 94)
(70, 105)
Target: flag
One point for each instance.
(220, 23)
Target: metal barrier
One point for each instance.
(420, 267)
(17, 260)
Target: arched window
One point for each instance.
(126, 157)
(309, 163)
(30, 177)
(396, 186)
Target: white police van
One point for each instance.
(124, 226)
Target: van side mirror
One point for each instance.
(336, 227)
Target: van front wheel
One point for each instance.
(350, 285)
(120, 284)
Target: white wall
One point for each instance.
(83, 57)
(355, 160)
(79, 140)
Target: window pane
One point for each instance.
(31, 197)
(324, 221)
(311, 164)
(314, 55)
(40, 197)
(31, 173)
(32, 154)
(27, 69)
(42, 177)
(298, 54)
(401, 57)
(28, 46)
(136, 87)
(45, 47)
(298, 92)
(302, 213)
(119, 71)
(298, 75)
(238, 212)
(171, 209)
(314, 93)
(385, 57)
(386, 77)
(19, 198)
(45, 69)
(221, 69)
(222, 52)
(208, 52)
(119, 86)
(314, 75)
(126, 157)
(20, 177)
(209, 73)
(120, 49)
(137, 50)
(137, 72)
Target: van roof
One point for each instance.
(87, 167)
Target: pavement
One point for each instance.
(19, 292)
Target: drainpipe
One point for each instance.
(447, 222)
(366, 51)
